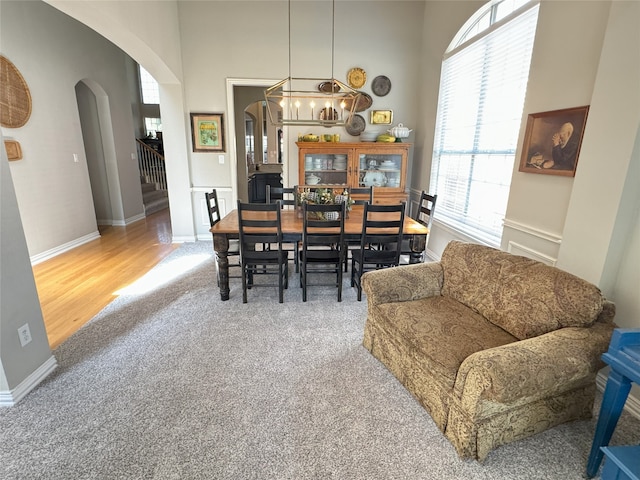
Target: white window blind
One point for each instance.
(482, 91)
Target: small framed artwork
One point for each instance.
(552, 141)
(14, 152)
(381, 117)
(207, 132)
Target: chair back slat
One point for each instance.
(286, 195)
(366, 191)
(426, 209)
(213, 209)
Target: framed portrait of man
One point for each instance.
(552, 141)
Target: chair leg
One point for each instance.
(339, 280)
(613, 400)
(244, 284)
(303, 281)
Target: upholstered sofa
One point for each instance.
(496, 347)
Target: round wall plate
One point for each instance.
(356, 77)
(356, 126)
(381, 85)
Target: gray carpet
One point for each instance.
(176, 384)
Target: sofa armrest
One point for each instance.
(402, 284)
(531, 369)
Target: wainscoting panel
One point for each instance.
(523, 251)
(225, 195)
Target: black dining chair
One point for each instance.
(287, 197)
(323, 246)
(233, 255)
(381, 225)
(260, 224)
(424, 215)
(365, 195)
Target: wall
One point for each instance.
(384, 41)
(20, 367)
(54, 52)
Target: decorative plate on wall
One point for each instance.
(356, 126)
(356, 77)
(381, 85)
(15, 99)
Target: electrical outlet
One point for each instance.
(75, 158)
(221, 159)
(25, 334)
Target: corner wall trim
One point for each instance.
(11, 397)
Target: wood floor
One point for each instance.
(74, 286)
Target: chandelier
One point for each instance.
(311, 101)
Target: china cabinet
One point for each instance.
(354, 165)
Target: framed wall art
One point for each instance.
(381, 117)
(552, 141)
(207, 132)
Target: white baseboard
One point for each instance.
(183, 239)
(632, 405)
(11, 397)
(128, 221)
(41, 257)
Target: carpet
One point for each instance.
(169, 382)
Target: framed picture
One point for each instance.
(381, 117)
(552, 141)
(207, 132)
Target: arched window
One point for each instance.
(482, 90)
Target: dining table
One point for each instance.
(228, 228)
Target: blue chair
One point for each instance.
(623, 357)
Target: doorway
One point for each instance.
(102, 167)
(240, 94)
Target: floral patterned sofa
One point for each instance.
(496, 347)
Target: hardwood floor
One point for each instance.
(74, 286)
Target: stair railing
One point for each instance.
(151, 165)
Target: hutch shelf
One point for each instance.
(356, 165)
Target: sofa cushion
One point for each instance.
(441, 333)
(524, 297)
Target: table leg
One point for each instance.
(613, 400)
(418, 245)
(221, 246)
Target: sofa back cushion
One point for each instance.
(522, 296)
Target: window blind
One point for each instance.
(482, 91)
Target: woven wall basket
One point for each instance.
(15, 99)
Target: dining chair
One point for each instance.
(260, 223)
(368, 193)
(323, 246)
(287, 197)
(381, 225)
(424, 215)
(213, 210)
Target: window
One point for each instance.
(152, 126)
(149, 87)
(482, 89)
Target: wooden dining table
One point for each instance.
(228, 229)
